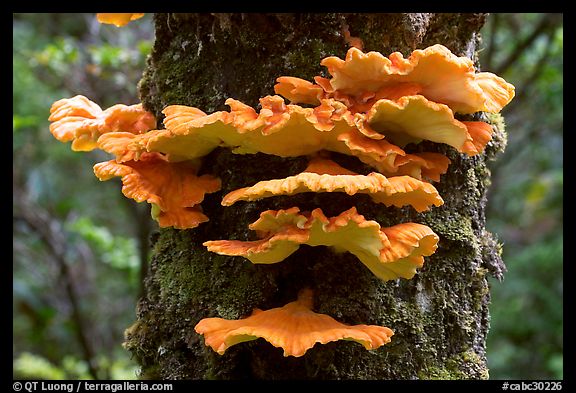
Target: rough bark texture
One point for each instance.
(440, 317)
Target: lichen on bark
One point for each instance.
(440, 317)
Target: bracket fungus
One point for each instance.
(117, 19)
(173, 189)
(370, 108)
(294, 327)
(323, 175)
(433, 72)
(278, 129)
(389, 253)
(411, 119)
(82, 121)
(390, 160)
(390, 102)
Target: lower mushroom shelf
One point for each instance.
(293, 327)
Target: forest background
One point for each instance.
(80, 248)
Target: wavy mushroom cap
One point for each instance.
(442, 76)
(294, 327)
(117, 19)
(278, 129)
(282, 232)
(81, 121)
(326, 176)
(298, 91)
(390, 160)
(173, 189)
(412, 119)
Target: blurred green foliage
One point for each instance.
(525, 204)
(61, 55)
(118, 251)
(30, 366)
(63, 229)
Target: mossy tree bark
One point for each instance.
(440, 317)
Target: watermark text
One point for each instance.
(536, 385)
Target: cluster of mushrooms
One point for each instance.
(370, 108)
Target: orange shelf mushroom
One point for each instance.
(370, 108)
(389, 253)
(323, 175)
(124, 145)
(294, 327)
(298, 90)
(411, 119)
(192, 135)
(82, 121)
(390, 160)
(117, 19)
(434, 72)
(173, 189)
(279, 129)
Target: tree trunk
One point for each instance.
(440, 317)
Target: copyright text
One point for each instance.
(89, 386)
(532, 386)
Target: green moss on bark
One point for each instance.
(440, 317)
